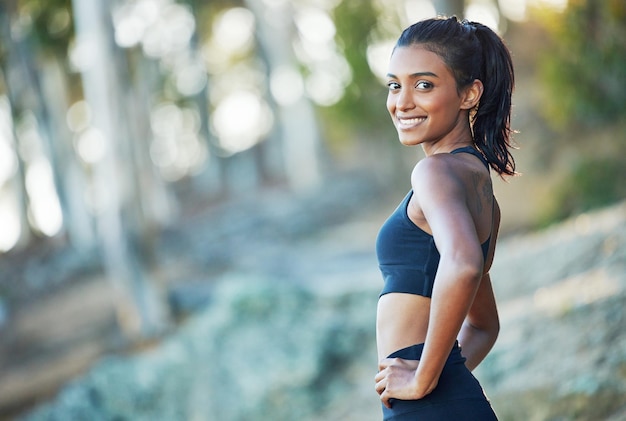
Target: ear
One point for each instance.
(471, 95)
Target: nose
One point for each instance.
(404, 100)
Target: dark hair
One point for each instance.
(473, 51)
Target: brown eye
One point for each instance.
(423, 85)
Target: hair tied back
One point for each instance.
(471, 26)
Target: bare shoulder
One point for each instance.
(436, 174)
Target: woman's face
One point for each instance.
(423, 100)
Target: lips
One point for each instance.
(407, 123)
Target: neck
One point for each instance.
(448, 146)
(460, 136)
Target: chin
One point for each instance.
(407, 139)
(409, 142)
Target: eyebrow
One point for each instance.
(414, 75)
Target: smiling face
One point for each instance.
(423, 99)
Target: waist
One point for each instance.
(458, 395)
(401, 320)
(414, 352)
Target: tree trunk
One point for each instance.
(209, 180)
(15, 90)
(298, 129)
(141, 312)
(77, 221)
(24, 90)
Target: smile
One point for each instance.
(407, 123)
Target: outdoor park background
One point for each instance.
(190, 193)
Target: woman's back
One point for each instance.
(403, 313)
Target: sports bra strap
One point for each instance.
(473, 151)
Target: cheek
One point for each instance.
(440, 109)
(448, 103)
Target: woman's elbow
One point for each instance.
(494, 331)
(471, 272)
(490, 329)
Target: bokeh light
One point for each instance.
(286, 85)
(241, 120)
(378, 55)
(79, 116)
(234, 30)
(91, 145)
(10, 227)
(176, 149)
(485, 13)
(419, 10)
(8, 159)
(45, 209)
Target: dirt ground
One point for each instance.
(48, 341)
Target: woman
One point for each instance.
(450, 86)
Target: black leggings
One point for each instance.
(458, 395)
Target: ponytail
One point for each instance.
(491, 122)
(473, 51)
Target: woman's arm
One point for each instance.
(444, 203)
(456, 285)
(481, 326)
(442, 200)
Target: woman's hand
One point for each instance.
(396, 379)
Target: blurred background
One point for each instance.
(190, 193)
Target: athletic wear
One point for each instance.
(407, 256)
(408, 260)
(457, 397)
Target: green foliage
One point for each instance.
(584, 68)
(582, 71)
(363, 105)
(51, 23)
(593, 183)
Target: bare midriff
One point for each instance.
(402, 320)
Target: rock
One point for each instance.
(185, 298)
(263, 350)
(561, 293)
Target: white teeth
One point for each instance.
(411, 121)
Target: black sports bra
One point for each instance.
(407, 256)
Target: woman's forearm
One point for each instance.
(476, 343)
(453, 294)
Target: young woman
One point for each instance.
(450, 86)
